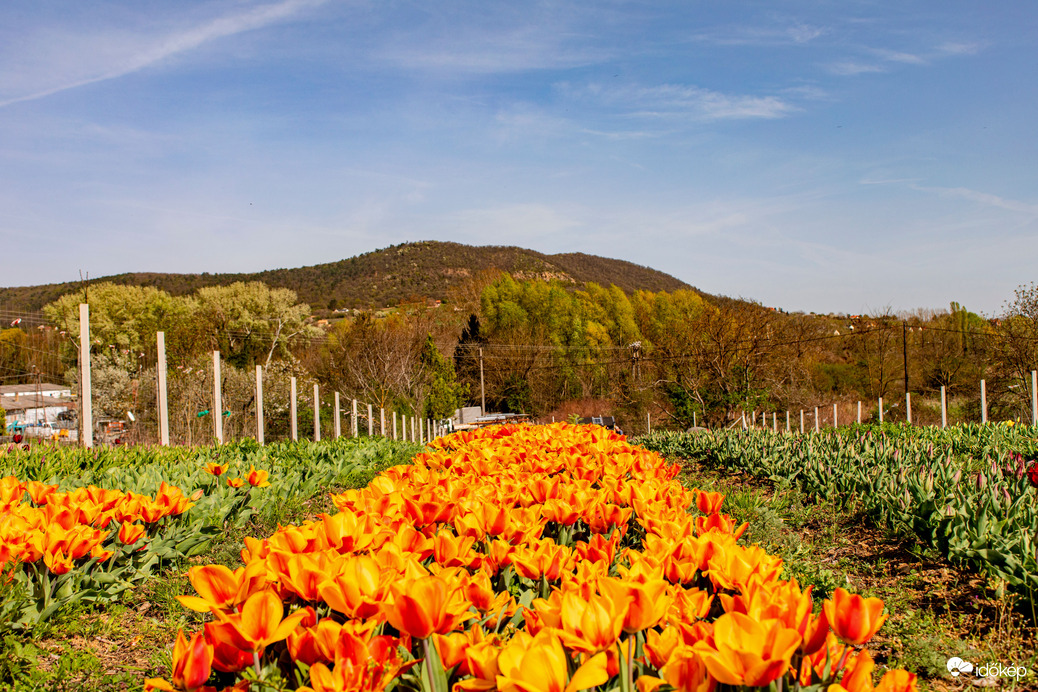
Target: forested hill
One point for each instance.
(385, 277)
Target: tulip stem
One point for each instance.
(255, 662)
(630, 663)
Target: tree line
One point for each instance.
(545, 348)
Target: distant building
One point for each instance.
(30, 403)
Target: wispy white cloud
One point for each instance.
(849, 68)
(683, 101)
(883, 59)
(88, 58)
(984, 198)
(796, 33)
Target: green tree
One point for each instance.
(444, 392)
(249, 323)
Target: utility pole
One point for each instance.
(482, 390)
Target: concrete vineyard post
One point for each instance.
(394, 425)
(908, 407)
(414, 432)
(983, 402)
(86, 420)
(881, 409)
(743, 420)
(217, 411)
(317, 413)
(163, 401)
(693, 419)
(817, 424)
(353, 419)
(754, 418)
(338, 417)
(371, 422)
(859, 412)
(834, 416)
(944, 408)
(259, 404)
(293, 418)
(787, 420)
(774, 422)
(1034, 397)
(801, 421)
(382, 421)
(648, 422)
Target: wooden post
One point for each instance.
(259, 404)
(394, 425)
(293, 418)
(881, 409)
(944, 409)
(1034, 397)
(86, 416)
(382, 421)
(338, 416)
(371, 422)
(983, 402)
(908, 407)
(160, 370)
(353, 420)
(859, 412)
(217, 400)
(835, 422)
(317, 414)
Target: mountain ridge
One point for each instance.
(384, 277)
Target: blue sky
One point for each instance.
(819, 156)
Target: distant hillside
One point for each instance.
(385, 277)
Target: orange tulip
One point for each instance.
(709, 503)
(646, 603)
(854, 619)
(747, 652)
(192, 664)
(216, 469)
(897, 681)
(130, 533)
(257, 479)
(261, 622)
(425, 605)
(594, 624)
(357, 590)
(235, 482)
(540, 664)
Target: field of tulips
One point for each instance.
(969, 491)
(527, 559)
(81, 528)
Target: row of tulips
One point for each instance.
(88, 543)
(968, 491)
(60, 547)
(527, 559)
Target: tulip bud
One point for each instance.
(982, 481)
